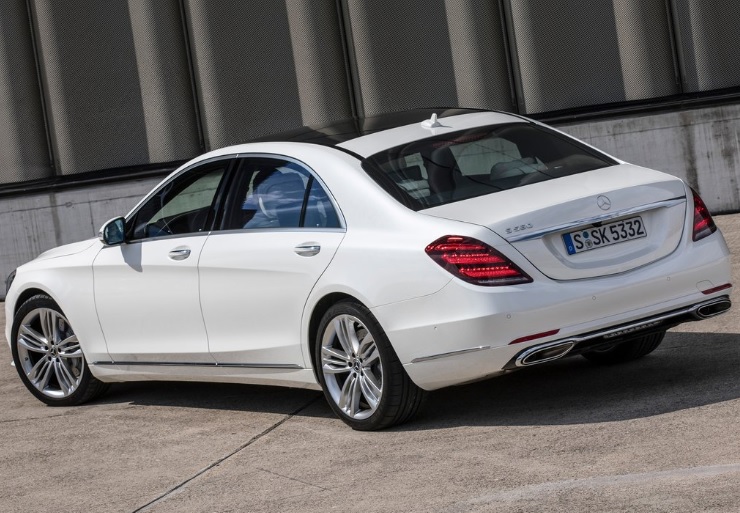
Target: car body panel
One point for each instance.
(536, 232)
(148, 302)
(65, 274)
(253, 289)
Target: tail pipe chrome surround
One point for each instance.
(545, 353)
(712, 307)
(550, 351)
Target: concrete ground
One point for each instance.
(658, 435)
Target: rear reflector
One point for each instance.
(703, 223)
(535, 336)
(475, 261)
(716, 289)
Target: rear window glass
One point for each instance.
(484, 160)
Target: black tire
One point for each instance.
(62, 377)
(626, 351)
(345, 375)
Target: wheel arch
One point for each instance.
(28, 294)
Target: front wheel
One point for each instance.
(362, 378)
(48, 356)
(626, 351)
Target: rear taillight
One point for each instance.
(703, 223)
(475, 261)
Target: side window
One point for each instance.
(277, 193)
(320, 212)
(184, 205)
(275, 198)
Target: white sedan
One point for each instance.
(376, 260)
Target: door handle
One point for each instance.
(308, 249)
(179, 254)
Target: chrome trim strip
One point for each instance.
(596, 219)
(451, 353)
(209, 365)
(261, 365)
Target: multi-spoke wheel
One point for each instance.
(48, 356)
(363, 380)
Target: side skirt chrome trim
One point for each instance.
(451, 353)
(596, 219)
(206, 365)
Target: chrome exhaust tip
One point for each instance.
(545, 353)
(712, 308)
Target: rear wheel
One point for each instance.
(362, 378)
(48, 356)
(626, 351)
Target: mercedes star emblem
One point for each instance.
(604, 203)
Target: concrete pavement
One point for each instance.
(657, 435)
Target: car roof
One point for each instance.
(366, 136)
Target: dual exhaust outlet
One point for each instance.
(550, 351)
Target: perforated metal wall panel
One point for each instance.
(165, 80)
(263, 67)
(24, 153)
(134, 82)
(646, 56)
(427, 54)
(116, 80)
(707, 33)
(570, 53)
(476, 33)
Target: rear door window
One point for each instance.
(274, 193)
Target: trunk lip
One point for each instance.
(596, 219)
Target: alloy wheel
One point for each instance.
(49, 353)
(352, 367)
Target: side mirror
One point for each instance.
(113, 232)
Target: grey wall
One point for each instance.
(262, 67)
(444, 53)
(24, 152)
(115, 83)
(90, 86)
(571, 53)
(707, 32)
(700, 146)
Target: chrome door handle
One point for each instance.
(307, 249)
(179, 254)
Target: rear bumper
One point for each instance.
(464, 333)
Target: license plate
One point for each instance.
(605, 235)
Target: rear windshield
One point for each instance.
(461, 165)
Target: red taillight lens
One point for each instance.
(703, 223)
(475, 261)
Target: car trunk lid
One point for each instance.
(597, 223)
